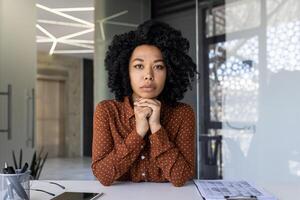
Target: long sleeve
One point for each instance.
(111, 160)
(176, 159)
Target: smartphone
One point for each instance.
(78, 196)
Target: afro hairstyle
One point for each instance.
(174, 47)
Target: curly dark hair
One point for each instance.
(174, 48)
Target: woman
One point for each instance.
(145, 134)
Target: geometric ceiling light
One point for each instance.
(107, 20)
(86, 45)
(69, 38)
(74, 9)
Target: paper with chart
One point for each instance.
(219, 189)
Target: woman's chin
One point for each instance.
(147, 96)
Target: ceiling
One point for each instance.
(66, 27)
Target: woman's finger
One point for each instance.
(151, 101)
(145, 104)
(142, 109)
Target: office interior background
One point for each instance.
(247, 52)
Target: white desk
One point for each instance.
(148, 191)
(282, 190)
(119, 191)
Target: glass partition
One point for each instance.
(248, 57)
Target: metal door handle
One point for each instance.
(9, 110)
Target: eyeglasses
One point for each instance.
(44, 191)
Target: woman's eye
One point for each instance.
(159, 67)
(138, 66)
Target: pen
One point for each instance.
(37, 167)
(251, 197)
(24, 168)
(15, 160)
(32, 165)
(42, 165)
(20, 161)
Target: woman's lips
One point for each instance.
(147, 88)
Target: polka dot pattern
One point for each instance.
(120, 154)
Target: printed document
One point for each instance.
(222, 189)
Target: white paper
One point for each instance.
(217, 189)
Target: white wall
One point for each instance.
(18, 68)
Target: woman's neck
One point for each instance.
(134, 97)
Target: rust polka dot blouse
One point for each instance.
(120, 154)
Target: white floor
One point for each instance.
(67, 169)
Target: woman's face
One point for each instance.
(147, 72)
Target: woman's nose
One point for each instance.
(148, 77)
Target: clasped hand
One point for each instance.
(147, 115)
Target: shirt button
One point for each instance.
(142, 146)
(142, 157)
(143, 174)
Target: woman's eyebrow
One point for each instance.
(142, 60)
(138, 59)
(159, 60)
